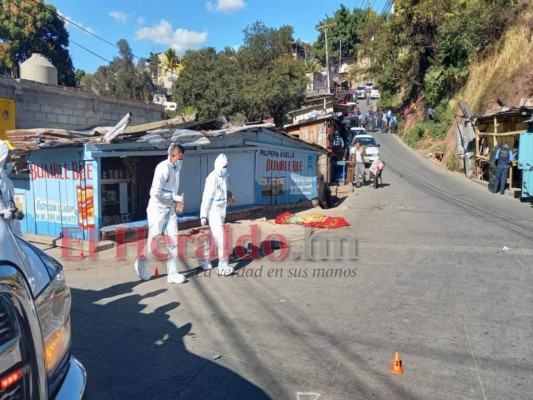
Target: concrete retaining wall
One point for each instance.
(40, 105)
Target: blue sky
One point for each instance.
(154, 26)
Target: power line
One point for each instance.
(43, 7)
(57, 33)
(73, 23)
(90, 51)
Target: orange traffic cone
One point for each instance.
(397, 366)
(156, 273)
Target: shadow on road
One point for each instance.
(131, 352)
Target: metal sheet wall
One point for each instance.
(525, 163)
(285, 176)
(60, 194)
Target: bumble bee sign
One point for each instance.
(285, 176)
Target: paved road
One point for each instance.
(430, 281)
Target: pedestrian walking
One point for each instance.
(161, 214)
(213, 209)
(357, 160)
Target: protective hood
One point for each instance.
(221, 164)
(4, 151)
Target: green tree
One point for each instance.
(282, 88)
(344, 37)
(79, 74)
(428, 45)
(262, 45)
(121, 77)
(30, 26)
(171, 63)
(258, 81)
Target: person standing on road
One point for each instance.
(359, 119)
(393, 123)
(161, 214)
(214, 201)
(384, 123)
(503, 157)
(357, 160)
(7, 191)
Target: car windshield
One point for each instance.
(360, 88)
(365, 141)
(375, 87)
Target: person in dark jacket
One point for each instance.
(504, 157)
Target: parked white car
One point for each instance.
(374, 94)
(369, 144)
(357, 131)
(360, 91)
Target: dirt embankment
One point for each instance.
(502, 79)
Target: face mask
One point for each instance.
(179, 164)
(223, 173)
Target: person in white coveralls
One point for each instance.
(161, 214)
(7, 191)
(213, 209)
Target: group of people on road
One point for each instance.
(375, 120)
(165, 203)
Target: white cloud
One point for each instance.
(179, 39)
(225, 6)
(141, 21)
(119, 16)
(69, 26)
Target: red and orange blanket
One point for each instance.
(313, 220)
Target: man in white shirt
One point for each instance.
(359, 163)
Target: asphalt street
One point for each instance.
(430, 280)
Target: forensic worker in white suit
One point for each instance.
(7, 191)
(214, 201)
(161, 214)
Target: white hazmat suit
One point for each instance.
(214, 202)
(7, 192)
(162, 218)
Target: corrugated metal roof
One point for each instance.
(511, 112)
(190, 134)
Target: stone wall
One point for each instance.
(41, 105)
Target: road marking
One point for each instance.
(307, 396)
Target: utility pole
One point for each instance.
(340, 54)
(325, 27)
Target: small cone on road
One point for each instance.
(156, 274)
(397, 366)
